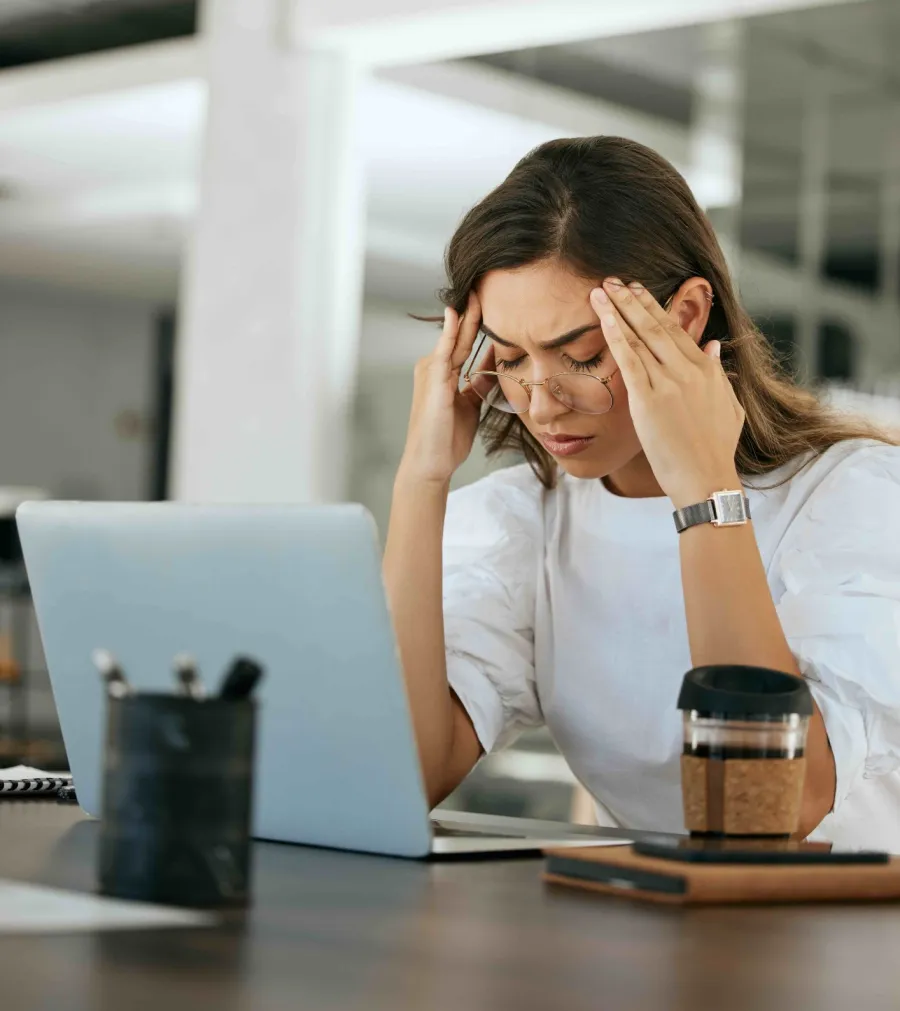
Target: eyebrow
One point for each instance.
(557, 342)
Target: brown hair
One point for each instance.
(607, 206)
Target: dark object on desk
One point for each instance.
(240, 679)
(66, 795)
(752, 851)
(620, 871)
(177, 797)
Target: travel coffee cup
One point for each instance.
(743, 761)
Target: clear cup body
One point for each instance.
(747, 737)
(743, 776)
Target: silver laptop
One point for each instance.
(297, 587)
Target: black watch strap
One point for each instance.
(723, 509)
(690, 516)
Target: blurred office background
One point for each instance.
(215, 219)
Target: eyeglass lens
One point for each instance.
(581, 393)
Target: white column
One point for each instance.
(394, 32)
(716, 139)
(272, 286)
(813, 217)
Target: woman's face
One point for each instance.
(524, 309)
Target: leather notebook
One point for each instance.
(616, 870)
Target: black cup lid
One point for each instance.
(735, 690)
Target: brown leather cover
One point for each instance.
(706, 884)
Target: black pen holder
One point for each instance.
(177, 800)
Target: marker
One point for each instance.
(241, 679)
(188, 679)
(117, 686)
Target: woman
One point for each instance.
(621, 364)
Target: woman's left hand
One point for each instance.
(684, 411)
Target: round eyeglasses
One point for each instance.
(578, 391)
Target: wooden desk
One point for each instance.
(339, 931)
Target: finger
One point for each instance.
(663, 329)
(646, 356)
(628, 357)
(468, 331)
(471, 396)
(655, 334)
(713, 350)
(447, 340)
(480, 386)
(489, 362)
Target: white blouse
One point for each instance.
(565, 608)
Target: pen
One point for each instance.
(188, 679)
(241, 679)
(117, 685)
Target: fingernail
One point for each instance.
(601, 296)
(636, 286)
(614, 282)
(610, 321)
(716, 349)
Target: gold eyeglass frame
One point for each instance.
(528, 387)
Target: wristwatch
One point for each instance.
(722, 509)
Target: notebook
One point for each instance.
(620, 871)
(24, 779)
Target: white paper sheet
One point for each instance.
(17, 772)
(34, 909)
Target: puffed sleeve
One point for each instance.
(492, 545)
(840, 611)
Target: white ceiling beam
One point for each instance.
(173, 199)
(396, 32)
(57, 81)
(516, 95)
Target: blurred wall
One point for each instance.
(76, 392)
(390, 345)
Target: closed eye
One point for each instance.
(585, 366)
(510, 364)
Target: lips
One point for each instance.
(563, 444)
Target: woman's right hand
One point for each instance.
(443, 420)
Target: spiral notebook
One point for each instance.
(23, 779)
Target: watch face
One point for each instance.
(729, 507)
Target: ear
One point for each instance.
(691, 305)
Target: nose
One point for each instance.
(544, 406)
